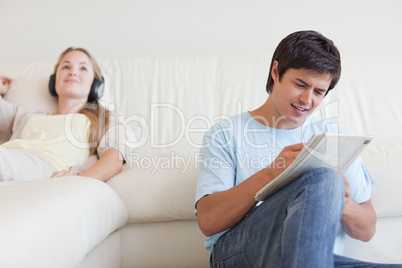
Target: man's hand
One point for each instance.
(4, 84)
(347, 187)
(358, 220)
(284, 159)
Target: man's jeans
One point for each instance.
(294, 227)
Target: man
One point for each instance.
(302, 225)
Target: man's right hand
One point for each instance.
(284, 159)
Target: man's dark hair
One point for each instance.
(306, 50)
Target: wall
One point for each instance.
(39, 30)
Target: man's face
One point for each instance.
(297, 95)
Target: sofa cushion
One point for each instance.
(158, 188)
(383, 162)
(32, 94)
(162, 187)
(384, 247)
(55, 222)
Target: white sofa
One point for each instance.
(170, 103)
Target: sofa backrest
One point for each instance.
(171, 102)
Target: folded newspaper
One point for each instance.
(329, 150)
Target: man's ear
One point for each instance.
(274, 71)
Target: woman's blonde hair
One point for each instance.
(95, 65)
(96, 113)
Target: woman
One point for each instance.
(42, 146)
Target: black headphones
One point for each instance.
(97, 88)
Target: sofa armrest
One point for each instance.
(55, 222)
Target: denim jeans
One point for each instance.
(344, 262)
(295, 227)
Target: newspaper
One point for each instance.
(334, 151)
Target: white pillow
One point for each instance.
(164, 189)
(32, 94)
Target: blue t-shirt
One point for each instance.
(238, 147)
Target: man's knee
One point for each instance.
(329, 186)
(327, 178)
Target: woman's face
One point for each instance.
(74, 76)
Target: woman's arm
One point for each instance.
(107, 166)
(110, 164)
(12, 117)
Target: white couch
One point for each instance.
(170, 102)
